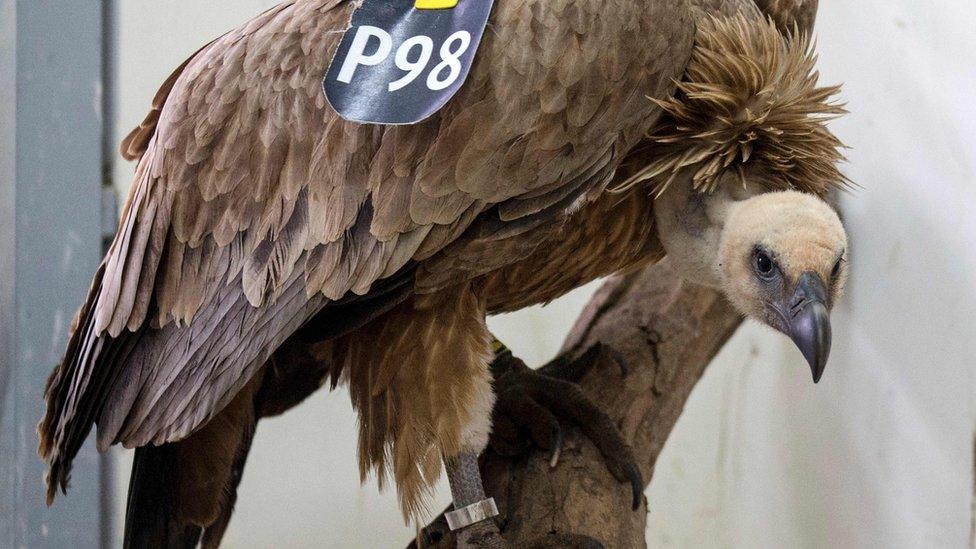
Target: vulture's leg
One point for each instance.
(471, 507)
(472, 514)
(530, 402)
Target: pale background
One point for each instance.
(879, 454)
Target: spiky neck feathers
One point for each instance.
(748, 107)
(748, 118)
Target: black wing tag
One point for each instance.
(402, 60)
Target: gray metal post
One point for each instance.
(50, 243)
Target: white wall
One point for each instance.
(878, 454)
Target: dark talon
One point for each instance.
(563, 367)
(619, 359)
(509, 447)
(636, 486)
(529, 402)
(557, 447)
(435, 534)
(573, 370)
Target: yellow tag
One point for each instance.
(435, 4)
(497, 346)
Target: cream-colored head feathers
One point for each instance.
(749, 105)
(799, 231)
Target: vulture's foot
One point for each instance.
(438, 535)
(531, 402)
(481, 535)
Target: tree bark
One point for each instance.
(666, 332)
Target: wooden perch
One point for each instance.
(666, 332)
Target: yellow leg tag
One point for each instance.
(497, 346)
(435, 4)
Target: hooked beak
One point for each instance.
(810, 322)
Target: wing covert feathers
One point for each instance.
(254, 205)
(790, 14)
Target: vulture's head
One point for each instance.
(781, 261)
(740, 163)
(779, 257)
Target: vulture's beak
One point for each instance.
(810, 322)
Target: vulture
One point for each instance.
(269, 247)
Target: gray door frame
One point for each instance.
(55, 112)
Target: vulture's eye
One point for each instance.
(836, 269)
(764, 264)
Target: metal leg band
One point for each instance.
(470, 514)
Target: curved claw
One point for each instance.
(636, 487)
(557, 448)
(618, 358)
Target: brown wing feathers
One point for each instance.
(134, 145)
(173, 255)
(788, 14)
(254, 205)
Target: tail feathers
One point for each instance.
(151, 516)
(215, 532)
(182, 494)
(156, 510)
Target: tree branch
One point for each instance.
(666, 332)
